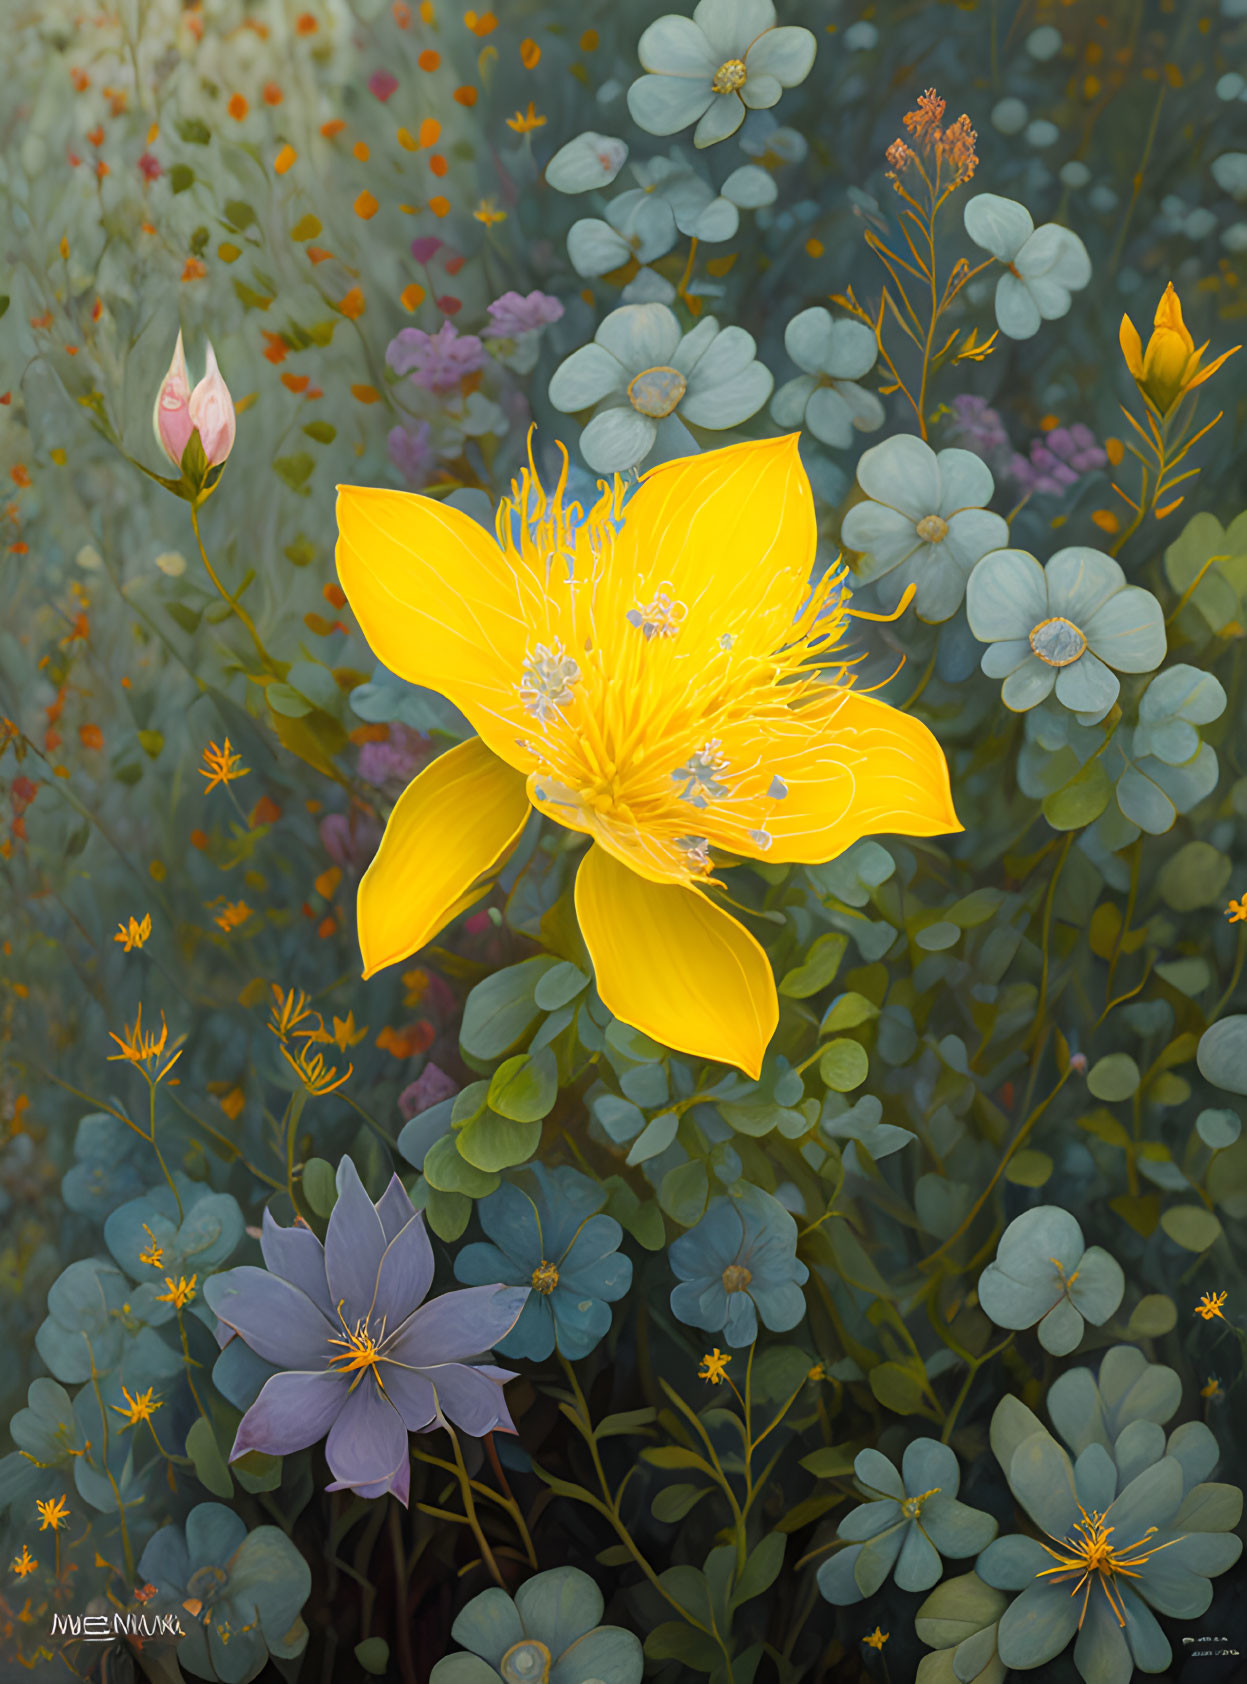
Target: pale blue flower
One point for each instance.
(1044, 265)
(712, 68)
(740, 1262)
(826, 397)
(555, 1242)
(645, 379)
(547, 1633)
(1045, 1273)
(924, 522)
(1062, 626)
(637, 225)
(911, 1519)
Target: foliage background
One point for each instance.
(1025, 1000)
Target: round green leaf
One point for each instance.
(373, 1654)
(1222, 1055)
(1191, 1226)
(1218, 1129)
(320, 1186)
(844, 1065)
(525, 1087)
(1082, 799)
(1029, 1169)
(1195, 876)
(1114, 1077)
(1153, 1317)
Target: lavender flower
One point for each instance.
(430, 1088)
(978, 427)
(396, 760)
(514, 314)
(412, 453)
(363, 1358)
(437, 361)
(1058, 460)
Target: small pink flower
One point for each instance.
(208, 410)
(149, 167)
(381, 84)
(427, 246)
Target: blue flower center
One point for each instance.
(527, 1662)
(1058, 642)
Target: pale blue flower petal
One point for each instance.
(1101, 1652)
(965, 482)
(666, 104)
(972, 534)
(807, 339)
(616, 439)
(722, 118)
(1128, 631)
(1086, 686)
(730, 401)
(585, 378)
(885, 535)
(1000, 226)
(675, 46)
(1007, 596)
(1037, 1626)
(1027, 686)
(559, 1606)
(594, 247)
(1017, 313)
(732, 26)
(851, 350)
(761, 92)
(1000, 659)
(918, 1567)
(788, 404)
(903, 473)
(787, 54)
(829, 417)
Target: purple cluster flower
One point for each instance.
(430, 1088)
(976, 426)
(437, 361)
(412, 453)
(350, 839)
(396, 760)
(1058, 460)
(514, 314)
(362, 1358)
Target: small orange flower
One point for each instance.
(530, 53)
(334, 126)
(285, 159)
(412, 296)
(1212, 1306)
(180, 1291)
(53, 1513)
(222, 765)
(526, 122)
(366, 206)
(429, 60)
(306, 24)
(272, 94)
(237, 107)
(24, 1563)
(1236, 911)
(194, 269)
(352, 306)
(90, 736)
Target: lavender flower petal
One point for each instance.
(412, 1394)
(367, 1444)
(280, 1323)
(297, 1256)
(293, 1410)
(395, 1210)
(471, 1399)
(457, 1325)
(405, 1274)
(354, 1242)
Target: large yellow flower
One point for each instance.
(654, 674)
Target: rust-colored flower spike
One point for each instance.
(924, 121)
(952, 148)
(898, 155)
(1170, 367)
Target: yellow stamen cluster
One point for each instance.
(139, 1407)
(620, 677)
(359, 1349)
(145, 1049)
(1090, 1558)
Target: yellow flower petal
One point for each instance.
(673, 965)
(851, 766)
(731, 533)
(451, 827)
(439, 604)
(1131, 347)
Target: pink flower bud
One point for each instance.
(212, 413)
(171, 419)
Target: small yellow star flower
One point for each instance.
(134, 934)
(488, 213)
(714, 1366)
(144, 1049)
(1236, 911)
(223, 766)
(817, 1374)
(1211, 1305)
(180, 1291)
(345, 1034)
(526, 122)
(317, 1077)
(24, 1563)
(154, 1256)
(52, 1513)
(292, 1015)
(876, 1640)
(232, 914)
(137, 1408)
(1212, 1389)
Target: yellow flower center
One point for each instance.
(648, 716)
(526, 1662)
(932, 530)
(736, 1277)
(1089, 1557)
(1058, 642)
(359, 1349)
(656, 391)
(911, 1507)
(729, 76)
(545, 1278)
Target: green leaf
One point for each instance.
(373, 1654)
(683, 1193)
(194, 131)
(491, 1143)
(295, 469)
(1029, 1168)
(1081, 801)
(448, 1213)
(210, 1466)
(238, 214)
(525, 1087)
(675, 1641)
(849, 1011)
(181, 176)
(560, 986)
(1152, 1317)
(627, 1421)
(1191, 1226)
(654, 1138)
(286, 700)
(1114, 1077)
(448, 1171)
(320, 1186)
(843, 1066)
(301, 552)
(324, 432)
(501, 1009)
(818, 968)
(761, 1569)
(673, 1502)
(674, 1456)
(1193, 877)
(151, 742)
(898, 1387)
(1222, 1055)
(257, 1471)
